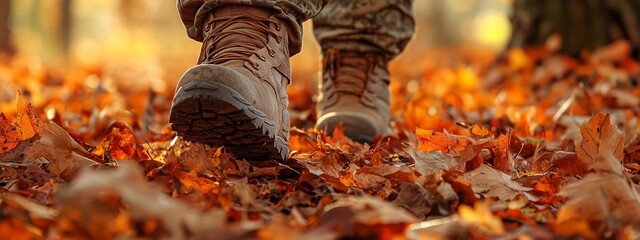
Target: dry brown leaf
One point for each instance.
(53, 150)
(64, 156)
(416, 199)
(598, 136)
(605, 199)
(632, 151)
(490, 182)
(430, 163)
(613, 199)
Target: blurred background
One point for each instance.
(126, 38)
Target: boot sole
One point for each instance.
(214, 114)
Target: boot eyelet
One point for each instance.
(256, 66)
(278, 27)
(261, 57)
(272, 53)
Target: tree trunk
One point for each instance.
(6, 46)
(65, 25)
(582, 24)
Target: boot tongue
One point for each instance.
(253, 38)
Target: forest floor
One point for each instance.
(533, 145)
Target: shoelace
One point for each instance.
(242, 49)
(351, 72)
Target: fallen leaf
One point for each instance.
(490, 182)
(65, 157)
(598, 135)
(79, 201)
(9, 138)
(416, 199)
(614, 199)
(120, 143)
(429, 141)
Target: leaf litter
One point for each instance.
(535, 145)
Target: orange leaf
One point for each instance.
(121, 144)
(338, 134)
(27, 122)
(503, 160)
(429, 141)
(9, 138)
(478, 131)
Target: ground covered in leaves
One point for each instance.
(532, 145)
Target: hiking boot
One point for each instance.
(354, 91)
(236, 97)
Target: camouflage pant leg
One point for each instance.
(293, 12)
(365, 25)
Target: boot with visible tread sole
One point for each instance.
(236, 97)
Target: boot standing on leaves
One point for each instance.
(236, 96)
(358, 39)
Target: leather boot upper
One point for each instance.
(354, 90)
(253, 42)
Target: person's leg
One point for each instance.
(237, 96)
(358, 38)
